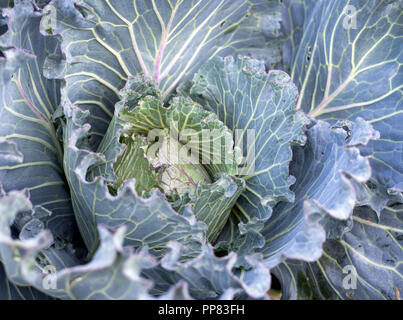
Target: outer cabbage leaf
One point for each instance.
(115, 271)
(26, 249)
(349, 65)
(295, 16)
(210, 277)
(365, 263)
(10, 155)
(30, 152)
(107, 41)
(324, 195)
(245, 97)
